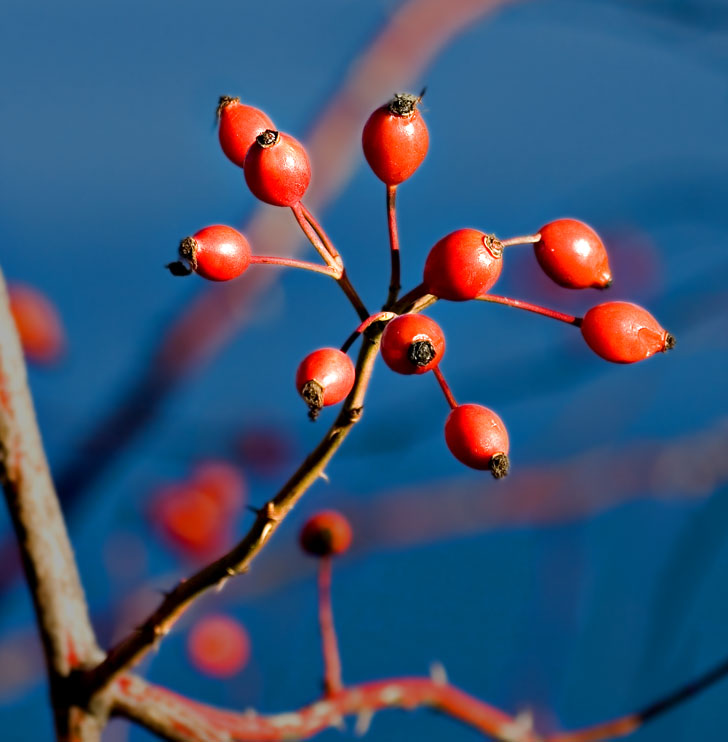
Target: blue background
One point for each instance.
(613, 112)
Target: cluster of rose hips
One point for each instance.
(461, 266)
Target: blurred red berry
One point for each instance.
(222, 482)
(239, 125)
(324, 377)
(191, 520)
(395, 139)
(571, 254)
(277, 170)
(217, 252)
(622, 332)
(327, 533)
(412, 344)
(218, 646)
(38, 323)
(463, 265)
(477, 437)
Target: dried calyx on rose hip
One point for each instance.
(477, 437)
(218, 253)
(238, 126)
(572, 254)
(395, 139)
(324, 377)
(277, 170)
(463, 265)
(412, 344)
(622, 332)
(327, 533)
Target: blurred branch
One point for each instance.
(50, 569)
(179, 719)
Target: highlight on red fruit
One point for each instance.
(238, 127)
(217, 252)
(277, 170)
(324, 377)
(412, 344)
(395, 139)
(477, 437)
(38, 323)
(327, 533)
(463, 265)
(218, 646)
(572, 254)
(622, 332)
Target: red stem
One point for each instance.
(293, 263)
(321, 234)
(395, 280)
(313, 236)
(329, 644)
(325, 248)
(445, 387)
(518, 304)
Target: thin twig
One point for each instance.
(294, 263)
(395, 280)
(131, 649)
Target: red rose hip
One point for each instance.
(412, 344)
(277, 170)
(324, 377)
(477, 437)
(218, 253)
(327, 533)
(395, 139)
(463, 265)
(622, 332)
(571, 254)
(239, 125)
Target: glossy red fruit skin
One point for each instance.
(395, 146)
(474, 434)
(39, 326)
(239, 125)
(278, 174)
(327, 533)
(397, 339)
(462, 266)
(572, 255)
(332, 369)
(622, 332)
(220, 253)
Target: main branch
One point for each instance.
(50, 568)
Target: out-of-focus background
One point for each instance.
(587, 583)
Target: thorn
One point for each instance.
(363, 722)
(231, 572)
(337, 722)
(520, 729)
(221, 584)
(323, 475)
(438, 674)
(253, 509)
